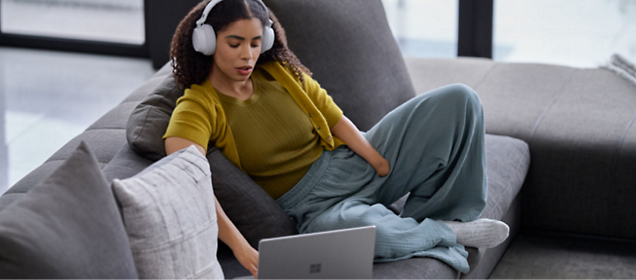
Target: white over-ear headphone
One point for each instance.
(204, 39)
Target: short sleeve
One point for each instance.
(323, 101)
(192, 118)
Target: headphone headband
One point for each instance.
(206, 11)
(204, 38)
(209, 6)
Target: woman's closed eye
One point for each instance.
(237, 45)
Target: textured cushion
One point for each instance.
(507, 161)
(349, 47)
(125, 164)
(170, 217)
(149, 120)
(67, 226)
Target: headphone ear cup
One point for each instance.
(268, 39)
(204, 39)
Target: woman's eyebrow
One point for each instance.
(241, 38)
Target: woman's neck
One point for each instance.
(241, 90)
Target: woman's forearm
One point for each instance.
(228, 233)
(349, 133)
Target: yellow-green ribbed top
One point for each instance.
(275, 139)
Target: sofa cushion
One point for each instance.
(507, 161)
(149, 120)
(349, 47)
(67, 226)
(170, 217)
(125, 164)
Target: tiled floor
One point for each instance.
(48, 97)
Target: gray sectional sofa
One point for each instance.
(561, 141)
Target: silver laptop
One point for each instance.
(342, 254)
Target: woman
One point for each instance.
(249, 94)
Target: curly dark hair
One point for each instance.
(191, 67)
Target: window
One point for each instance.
(424, 28)
(120, 21)
(567, 32)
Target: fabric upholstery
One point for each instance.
(414, 268)
(106, 143)
(149, 120)
(537, 256)
(507, 161)
(353, 57)
(67, 226)
(113, 119)
(125, 164)
(170, 217)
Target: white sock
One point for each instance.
(480, 233)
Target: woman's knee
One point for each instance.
(463, 93)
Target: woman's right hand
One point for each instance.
(248, 257)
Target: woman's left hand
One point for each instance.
(382, 167)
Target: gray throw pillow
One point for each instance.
(68, 226)
(349, 47)
(170, 217)
(149, 120)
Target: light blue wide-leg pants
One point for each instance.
(435, 146)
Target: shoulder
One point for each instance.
(203, 94)
(199, 98)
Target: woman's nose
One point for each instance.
(246, 52)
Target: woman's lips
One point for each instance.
(246, 70)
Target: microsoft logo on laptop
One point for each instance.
(314, 268)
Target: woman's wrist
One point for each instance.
(375, 159)
(237, 242)
(380, 164)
